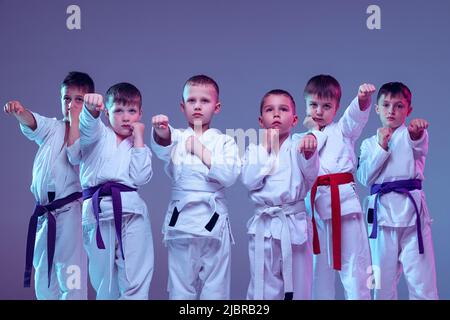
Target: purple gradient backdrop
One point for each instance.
(249, 47)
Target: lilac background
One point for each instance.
(249, 47)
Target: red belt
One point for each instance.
(333, 180)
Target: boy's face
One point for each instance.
(121, 117)
(393, 110)
(200, 103)
(322, 110)
(71, 97)
(278, 113)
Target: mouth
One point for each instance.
(390, 118)
(276, 123)
(197, 115)
(317, 119)
(126, 126)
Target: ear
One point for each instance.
(107, 116)
(261, 124)
(217, 107)
(182, 107)
(409, 110)
(377, 108)
(140, 114)
(295, 120)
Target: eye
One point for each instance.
(118, 111)
(284, 109)
(80, 100)
(400, 106)
(313, 104)
(66, 98)
(204, 100)
(327, 107)
(386, 105)
(268, 109)
(132, 111)
(191, 100)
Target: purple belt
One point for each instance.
(40, 210)
(112, 189)
(403, 187)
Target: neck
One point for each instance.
(120, 138)
(283, 138)
(393, 129)
(199, 129)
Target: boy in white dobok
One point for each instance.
(114, 163)
(392, 163)
(279, 173)
(334, 202)
(201, 162)
(54, 244)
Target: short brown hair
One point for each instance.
(80, 80)
(277, 92)
(203, 80)
(123, 93)
(394, 89)
(324, 86)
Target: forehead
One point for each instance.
(321, 100)
(73, 91)
(121, 106)
(393, 98)
(199, 90)
(278, 99)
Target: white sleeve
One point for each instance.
(74, 153)
(44, 127)
(309, 168)
(371, 162)
(257, 165)
(141, 165)
(354, 120)
(225, 162)
(164, 152)
(420, 147)
(91, 129)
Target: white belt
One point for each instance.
(285, 238)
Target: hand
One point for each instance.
(160, 124)
(416, 128)
(94, 102)
(308, 146)
(384, 135)
(137, 130)
(14, 108)
(310, 124)
(74, 113)
(194, 146)
(271, 140)
(365, 92)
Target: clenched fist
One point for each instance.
(416, 128)
(271, 140)
(384, 135)
(137, 130)
(160, 125)
(14, 108)
(365, 92)
(94, 102)
(308, 145)
(310, 124)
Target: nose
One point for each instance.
(391, 109)
(276, 113)
(125, 117)
(319, 110)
